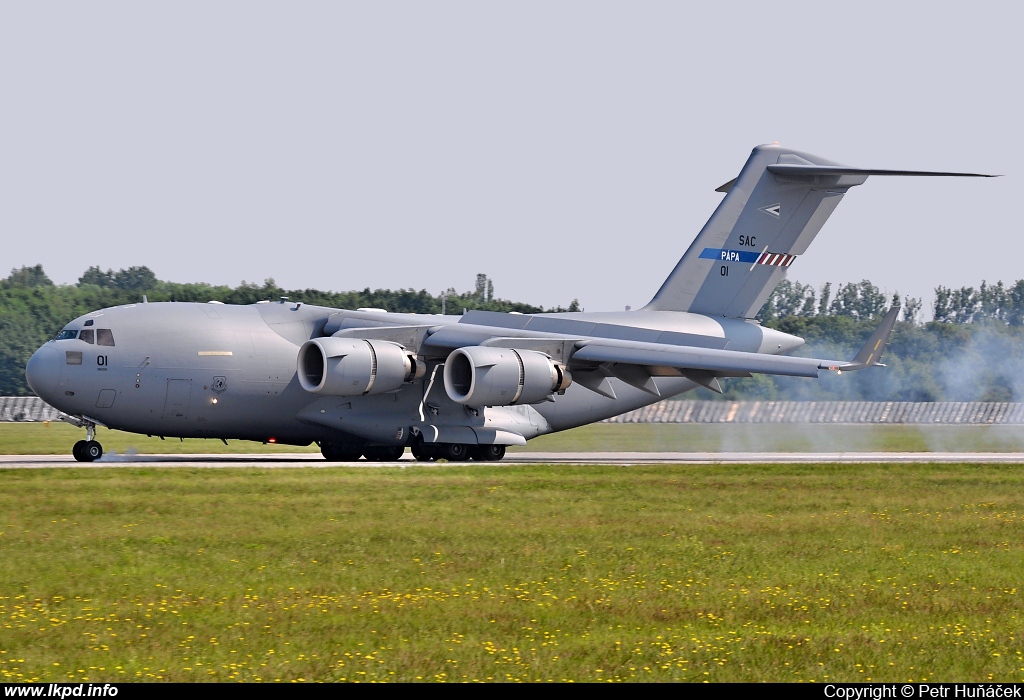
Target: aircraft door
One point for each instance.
(179, 394)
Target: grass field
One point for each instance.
(767, 437)
(809, 572)
(57, 438)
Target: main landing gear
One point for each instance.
(351, 453)
(88, 450)
(384, 453)
(455, 452)
(423, 452)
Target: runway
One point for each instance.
(314, 460)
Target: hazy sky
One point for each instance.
(565, 149)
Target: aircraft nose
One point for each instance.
(43, 371)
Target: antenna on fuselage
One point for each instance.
(145, 299)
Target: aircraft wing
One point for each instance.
(726, 362)
(678, 357)
(593, 359)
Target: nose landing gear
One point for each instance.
(88, 450)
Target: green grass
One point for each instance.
(57, 438)
(806, 572)
(735, 437)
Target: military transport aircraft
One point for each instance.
(368, 383)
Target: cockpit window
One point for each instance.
(104, 337)
(66, 334)
(88, 335)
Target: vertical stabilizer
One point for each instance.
(770, 214)
(762, 225)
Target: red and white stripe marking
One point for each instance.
(776, 259)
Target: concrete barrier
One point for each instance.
(838, 412)
(26, 409)
(33, 409)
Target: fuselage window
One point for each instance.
(74, 358)
(66, 335)
(88, 335)
(104, 337)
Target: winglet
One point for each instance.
(875, 345)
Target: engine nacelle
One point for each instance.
(487, 376)
(354, 367)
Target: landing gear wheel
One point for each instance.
(384, 453)
(420, 451)
(92, 451)
(338, 453)
(454, 451)
(87, 451)
(487, 453)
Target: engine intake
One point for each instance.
(355, 367)
(486, 376)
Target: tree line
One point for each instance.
(973, 350)
(33, 309)
(863, 300)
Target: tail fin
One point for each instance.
(770, 214)
(871, 353)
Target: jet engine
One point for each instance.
(355, 367)
(487, 376)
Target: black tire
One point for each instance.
(78, 451)
(454, 451)
(92, 451)
(488, 453)
(420, 451)
(339, 453)
(384, 453)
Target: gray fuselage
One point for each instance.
(222, 371)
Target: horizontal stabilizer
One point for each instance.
(793, 169)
